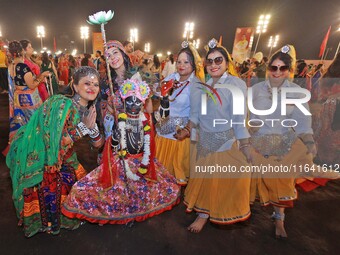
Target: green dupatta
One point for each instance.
(36, 146)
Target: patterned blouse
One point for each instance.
(20, 70)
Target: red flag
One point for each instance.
(54, 44)
(324, 43)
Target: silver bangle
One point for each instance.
(94, 132)
(82, 129)
(165, 109)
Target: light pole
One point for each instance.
(272, 43)
(188, 30)
(84, 34)
(196, 43)
(74, 52)
(147, 47)
(41, 34)
(133, 37)
(261, 28)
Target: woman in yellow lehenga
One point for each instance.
(173, 152)
(223, 199)
(280, 142)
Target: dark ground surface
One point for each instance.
(313, 225)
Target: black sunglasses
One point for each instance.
(280, 68)
(217, 61)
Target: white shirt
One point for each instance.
(262, 101)
(218, 111)
(180, 107)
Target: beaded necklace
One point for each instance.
(178, 85)
(144, 131)
(82, 110)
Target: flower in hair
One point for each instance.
(285, 49)
(212, 43)
(185, 44)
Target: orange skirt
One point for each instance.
(174, 155)
(279, 188)
(224, 197)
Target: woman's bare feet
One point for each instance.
(279, 217)
(197, 225)
(280, 231)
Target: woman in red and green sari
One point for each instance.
(43, 165)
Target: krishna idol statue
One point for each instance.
(130, 184)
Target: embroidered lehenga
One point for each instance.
(43, 166)
(130, 184)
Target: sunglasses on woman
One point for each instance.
(217, 61)
(280, 68)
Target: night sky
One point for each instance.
(302, 23)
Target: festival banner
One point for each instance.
(242, 43)
(97, 42)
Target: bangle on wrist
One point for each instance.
(114, 144)
(94, 132)
(187, 129)
(82, 129)
(97, 138)
(244, 146)
(165, 109)
(309, 142)
(114, 141)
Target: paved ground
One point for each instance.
(313, 226)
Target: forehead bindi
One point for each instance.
(90, 79)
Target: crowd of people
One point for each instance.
(147, 120)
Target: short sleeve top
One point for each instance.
(20, 70)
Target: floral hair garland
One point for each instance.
(135, 88)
